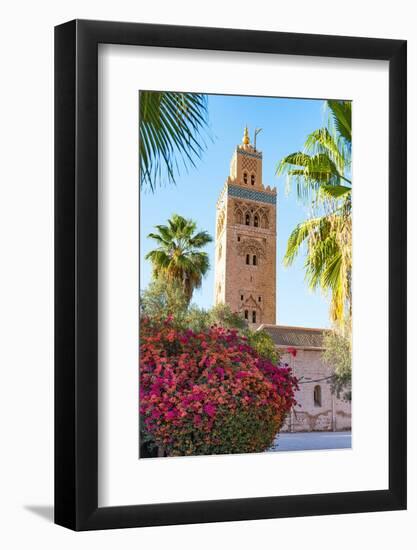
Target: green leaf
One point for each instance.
(172, 128)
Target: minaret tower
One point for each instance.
(245, 263)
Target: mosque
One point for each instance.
(246, 280)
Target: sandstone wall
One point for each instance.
(325, 414)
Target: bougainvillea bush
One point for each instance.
(209, 392)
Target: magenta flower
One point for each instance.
(210, 409)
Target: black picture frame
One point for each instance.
(76, 272)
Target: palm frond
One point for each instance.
(298, 236)
(309, 172)
(322, 141)
(332, 272)
(200, 239)
(341, 113)
(172, 127)
(335, 191)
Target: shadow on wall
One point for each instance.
(45, 512)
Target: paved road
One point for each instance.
(307, 441)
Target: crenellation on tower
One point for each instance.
(245, 263)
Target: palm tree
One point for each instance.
(179, 256)
(171, 128)
(322, 174)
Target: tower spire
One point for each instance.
(246, 139)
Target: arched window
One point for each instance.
(254, 259)
(256, 220)
(259, 299)
(246, 314)
(253, 316)
(241, 297)
(245, 177)
(247, 259)
(239, 217)
(247, 219)
(317, 396)
(252, 179)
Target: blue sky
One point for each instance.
(285, 124)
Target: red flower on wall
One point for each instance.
(292, 351)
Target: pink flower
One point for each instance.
(171, 414)
(196, 395)
(210, 409)
(293, 351)
(171, 336)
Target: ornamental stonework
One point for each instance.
(220, 222)
(251, 214)
(249, 164)
(251, 246)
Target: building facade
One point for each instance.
(245, 279)
(318, 408)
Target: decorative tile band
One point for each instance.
(247, 154)
(242, 193)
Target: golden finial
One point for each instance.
(246, 139)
